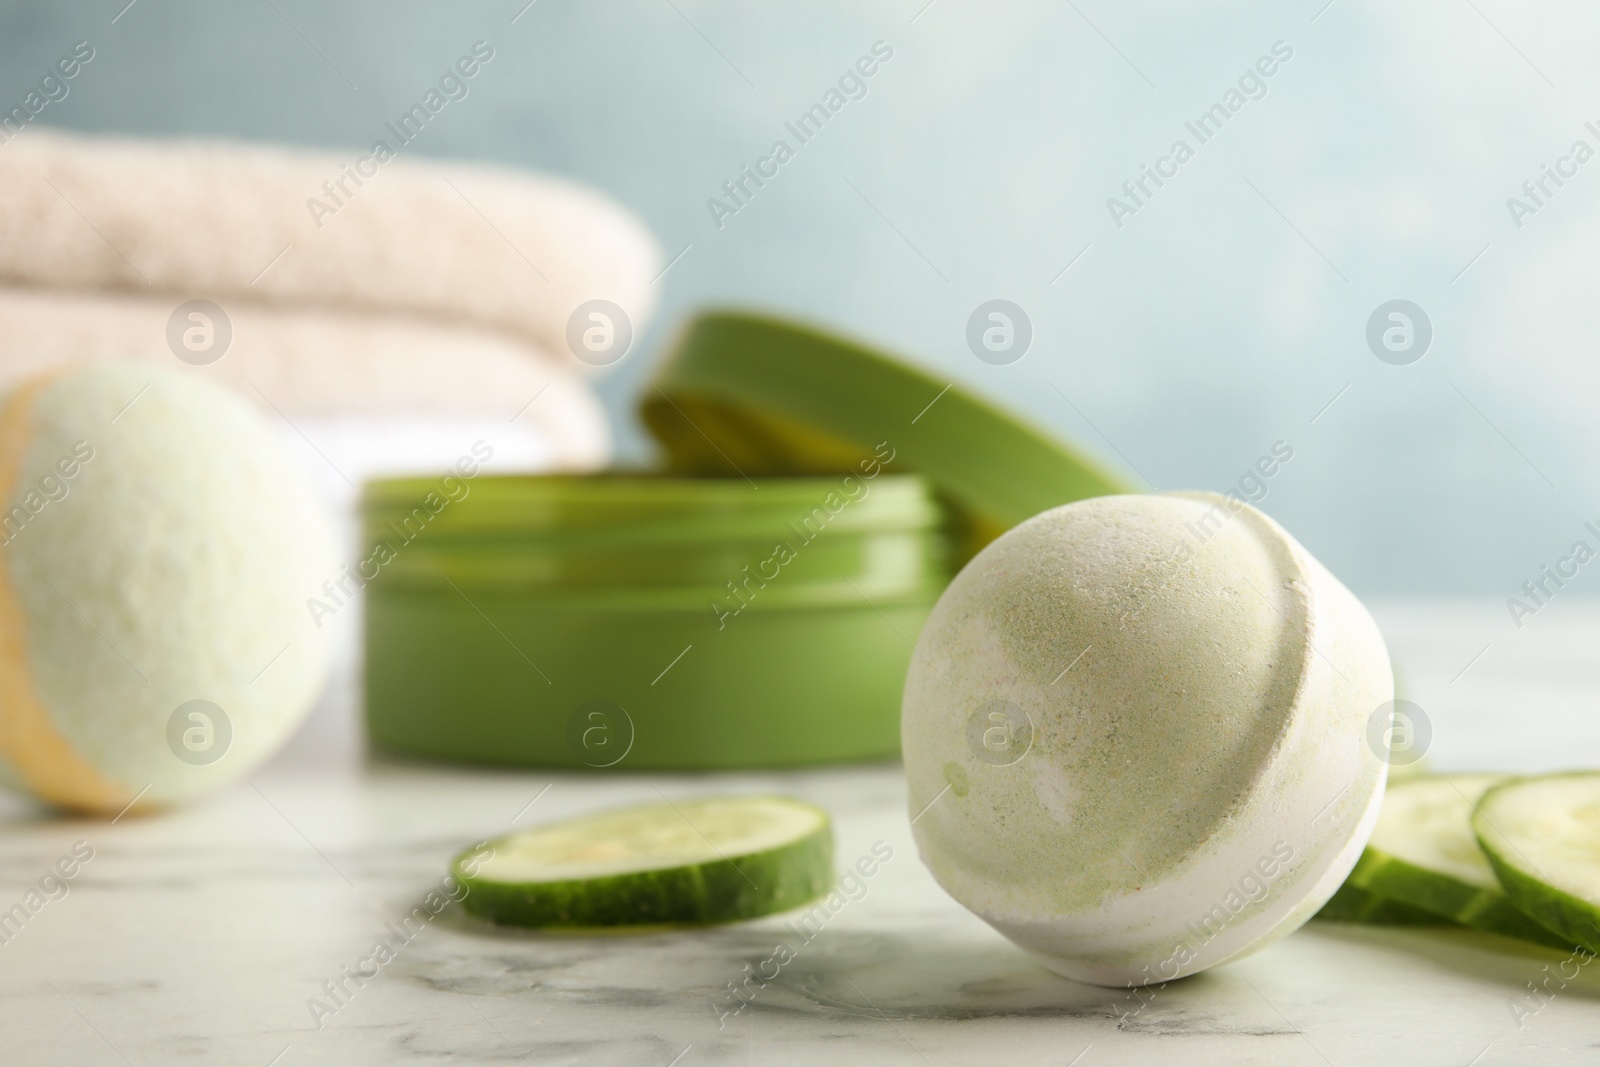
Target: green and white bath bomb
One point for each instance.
(157, 548)
(1137, 725)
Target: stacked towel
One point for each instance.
(316, 367)
(353, 289)
(502, 250)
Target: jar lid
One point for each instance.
(746, 394)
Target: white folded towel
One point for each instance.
(453, 243)
(322, 366)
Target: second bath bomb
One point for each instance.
(159, 545)
(1148, 713)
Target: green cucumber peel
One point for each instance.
(1542, 836)
(1354, 905)
(689, 862)
(1424, 853)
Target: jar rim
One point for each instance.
(658, 503)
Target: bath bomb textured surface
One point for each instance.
(158, 549)
(1146, 716)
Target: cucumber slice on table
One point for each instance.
(1353, 905)
(1423, 853)
(1543, 837)
(686, 862)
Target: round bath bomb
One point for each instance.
(1143, 719)
(157, 549)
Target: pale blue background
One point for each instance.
(1190, 340)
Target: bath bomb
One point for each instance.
(1134, 734)
(157, 549)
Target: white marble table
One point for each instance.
(200, 936)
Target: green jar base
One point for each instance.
(521, 682)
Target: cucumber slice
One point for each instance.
(1423, 853)
(1542, 836)
(690, 862)
(1353, 905)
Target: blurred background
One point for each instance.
(1227, 312)
(1192, 312)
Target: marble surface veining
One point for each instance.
(207, 935)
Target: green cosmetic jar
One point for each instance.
(644, 621)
